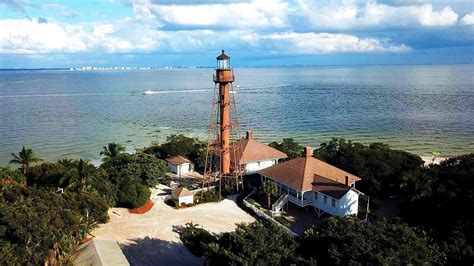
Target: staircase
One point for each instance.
(278, 205)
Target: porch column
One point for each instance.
(302, 197)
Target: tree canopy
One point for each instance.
(182, 145)
(8, 175)
(39, 225)
(25, 157)
(111, 151)
(131, 176)
(270, 189)
(63, 201)
(289, 146)
(346, 240)
(438, 198)
(380, 167)
(250, 244)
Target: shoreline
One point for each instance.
(428, 159)
(433, 160)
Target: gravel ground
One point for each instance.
(151, 238)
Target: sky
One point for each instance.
(157, 33)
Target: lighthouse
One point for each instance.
(223, 129)
(223, 78)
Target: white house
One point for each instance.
(180, 165)
(182, 196)
(307, 181)
(253, 155)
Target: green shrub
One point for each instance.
(211, 195)
(15, 175)
(196, 239)
(252, 201)
(253, 244)
(41, 227)
(282, 220)
(229, 187)
(346, 240)
(133, 195)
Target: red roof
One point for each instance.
(177, 160)
(309, 173)
(181, 192)
(251, 150)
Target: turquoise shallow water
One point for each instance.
(73, 114)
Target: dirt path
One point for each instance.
(150, 239)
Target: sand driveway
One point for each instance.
(150, 238)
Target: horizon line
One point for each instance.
(212, 67)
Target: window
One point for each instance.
(325, 199)
(333, 203)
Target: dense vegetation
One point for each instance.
(335, 241)
(129, 177)
(440, 199)
(436, 198)
(39, 225)
(249, 244)
(346, 240)
(191, 148)
(380, 167)
(47, 209)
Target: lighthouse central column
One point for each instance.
(224, 127)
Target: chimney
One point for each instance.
(307, 151)
(347, 181)
(249, 135)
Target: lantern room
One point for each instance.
(224, 73)
(223, 61)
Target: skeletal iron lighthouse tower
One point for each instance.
(222, 151)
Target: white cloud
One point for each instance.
(299, 15)
(324, 43)
(25, 36)
(254, 14)
(468, 19)
(32, 37)
(343, 15)
(427, 17)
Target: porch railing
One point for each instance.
(299, 202)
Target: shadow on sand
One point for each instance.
(152, 251)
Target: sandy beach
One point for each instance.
(433, 160)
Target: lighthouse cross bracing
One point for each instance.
(223, 129)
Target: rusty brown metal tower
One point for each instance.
(222, 147)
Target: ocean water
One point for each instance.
(74, 113)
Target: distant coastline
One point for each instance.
(99, 68)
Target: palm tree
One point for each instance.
(25, 157)
(78, 177)
(270, 188)
(112, 150)
(86, 171)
